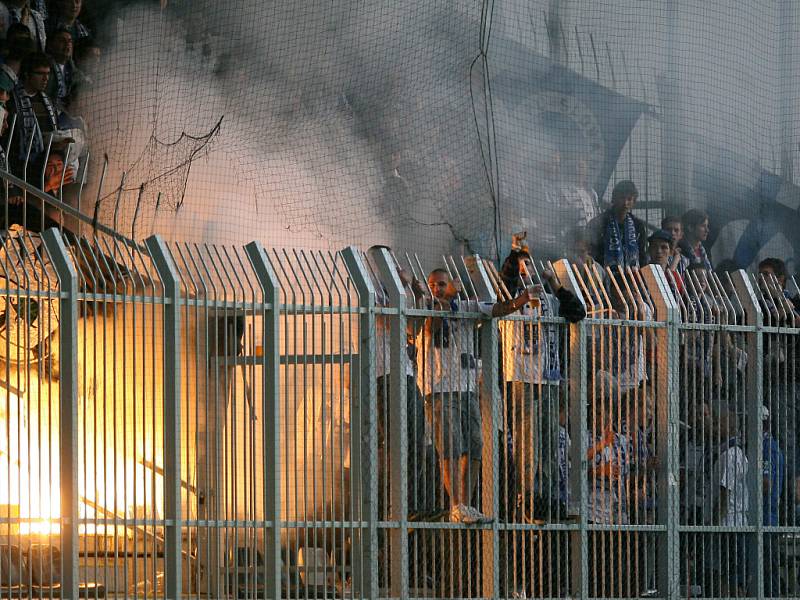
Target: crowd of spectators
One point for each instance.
(48, 55)
(444, 391)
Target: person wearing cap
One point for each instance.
(660, 247)
(618, 237)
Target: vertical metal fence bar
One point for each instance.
(667, 366)
(363, 432)
(397, 427)
(68, 402)
(577, 380)
(271, 416)
(490, 484)
(753, 429)
(171, 377)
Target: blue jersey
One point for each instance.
(773, 472)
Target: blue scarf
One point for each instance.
(621, 247)
(441, 336)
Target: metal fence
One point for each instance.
(197, 421)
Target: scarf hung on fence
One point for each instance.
(621, 244)
(546, 358)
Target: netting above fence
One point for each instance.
(441, 125)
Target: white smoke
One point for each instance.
(339, 124)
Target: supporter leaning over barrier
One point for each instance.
(532, 374)
(775, 267)
(695, 233)
(448, 370)
(617, 237)
(660, 251)
(28, 213)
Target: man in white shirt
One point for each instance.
(532, 373)
(447, 361)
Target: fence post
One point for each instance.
(68, 408)
(171, 382)
(753, 427)
(577, 378)
(364, 432)
(271, 419)
(667, 380)
(397, 426)
(490, 402)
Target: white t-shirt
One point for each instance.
(582, 204)
(530, 349)
(731, 473)
(447, 359)
(383, 349)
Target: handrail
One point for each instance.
(64, 207)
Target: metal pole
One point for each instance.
(363, 432)
(667, 377)
(271, 419)
(68, 401)
(171, 382)
(490, 402)
(577, 380)
(753, 429)
(397, 426)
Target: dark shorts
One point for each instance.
(458, 429)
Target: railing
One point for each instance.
(198, 421)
